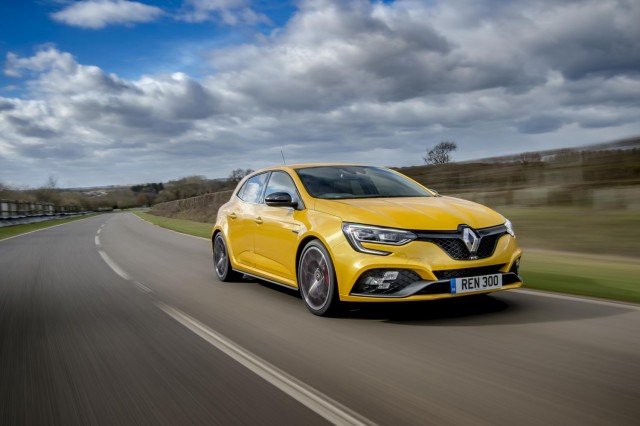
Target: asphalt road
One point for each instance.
(111, 320)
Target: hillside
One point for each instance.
(596, 176)
(603, 176)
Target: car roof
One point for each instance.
(309, 165)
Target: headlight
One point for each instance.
(509, 226)
(358, 234)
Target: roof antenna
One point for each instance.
(283, 160)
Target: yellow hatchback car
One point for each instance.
(356, 233)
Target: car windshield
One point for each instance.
(342, 182)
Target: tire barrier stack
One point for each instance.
(21, 212)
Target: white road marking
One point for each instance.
(99, 230)
(584, 299)
(118, 270)
(143, 288)
(113, 265)
(311, 398)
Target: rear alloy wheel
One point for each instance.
(317, 279)
(221, 262)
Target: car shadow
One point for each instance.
(476, 310)
(484, 310)
(435, 310)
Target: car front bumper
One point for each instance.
(426, 271)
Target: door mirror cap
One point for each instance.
(280, 199)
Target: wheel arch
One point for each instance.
(214, 234)
(303, 243)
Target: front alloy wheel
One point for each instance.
(317, 279)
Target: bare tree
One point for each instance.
(49, 192)
(52, 182)
(527, 158)
(237, 174)
(439, 154)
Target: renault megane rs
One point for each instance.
(356, 233)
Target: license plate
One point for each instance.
(475, 284)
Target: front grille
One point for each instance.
(453, 244)
(453, 247)
(467, 272)
(488, 245)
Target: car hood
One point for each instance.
(417, 213)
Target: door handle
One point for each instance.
(259, 220)
(233, 215)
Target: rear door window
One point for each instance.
(252, 190)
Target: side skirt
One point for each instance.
(266, 279)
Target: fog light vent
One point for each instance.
(384, 281)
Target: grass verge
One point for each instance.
(190, 227)
(565, 272)
(12, 231)
(587, 275)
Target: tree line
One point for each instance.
(563, 166)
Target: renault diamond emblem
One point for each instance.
(471, 240)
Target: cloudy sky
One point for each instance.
(101, 92)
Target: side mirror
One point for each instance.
(280, 199)
(435, 193)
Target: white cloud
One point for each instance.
(46, 57)
(229, 12)
(369, 82)
(96, 14)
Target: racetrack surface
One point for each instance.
(111, 320)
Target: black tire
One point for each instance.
(317, 280)
(221, 262)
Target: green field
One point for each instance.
(607, 276)
(12, 231)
